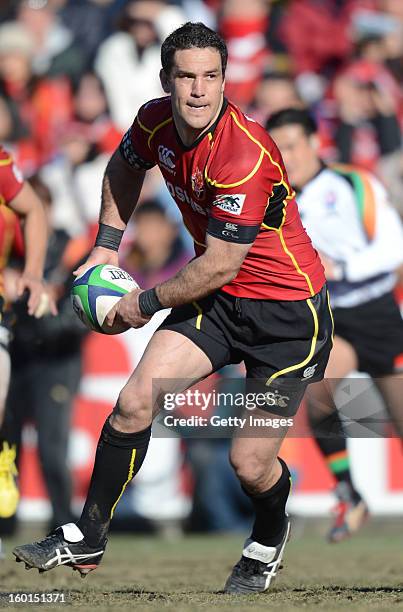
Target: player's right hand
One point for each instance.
(98, 256)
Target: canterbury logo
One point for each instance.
(61, 558)
(165, 156)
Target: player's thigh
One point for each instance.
(171, 363)
(320, 395)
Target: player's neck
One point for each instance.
(189, 135)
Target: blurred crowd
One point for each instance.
(73, 74)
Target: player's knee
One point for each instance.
(251, 472)
(133, 407)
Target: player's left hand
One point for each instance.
(38, 295)
(128, 311)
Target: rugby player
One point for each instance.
(255, 292)
(360, 239)
(17, 199)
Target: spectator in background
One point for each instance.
(368, 127)
(156, 251)
(50, 345)
(128, 61)
(16, 137)
(316, 33)
(87, 143)
(43, 105)
(243, 25)
(55, 51)
(88, 20)
(276, 91)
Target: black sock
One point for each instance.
(118, 458)
(268, 528)
(330, 438)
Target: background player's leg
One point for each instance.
(391, 390)
(123, 444)
(327, 428)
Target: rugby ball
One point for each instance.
(96, 291)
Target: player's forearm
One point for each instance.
(198, 278)
(120, 192)
(35, 241)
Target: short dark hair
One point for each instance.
(190, 36)
(292, 116)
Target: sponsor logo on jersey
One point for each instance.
(178, 193)
(309, 371)
(166, 157)
(231, 203)
(198, 184)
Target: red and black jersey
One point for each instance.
(11, 183)
(232, 184)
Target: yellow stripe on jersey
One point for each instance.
(155, 130)
(143, 127)
(129, 477)
(311, 352)
(287, 250)
(214, 183)
(199, 316)
(6, 162)
(264, 151)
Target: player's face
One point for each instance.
(299, 153)
(196, 86)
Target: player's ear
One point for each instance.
(165, 82)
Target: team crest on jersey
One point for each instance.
(198, 184)
(231, 203)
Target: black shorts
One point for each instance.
(285, 344)
(375, 330)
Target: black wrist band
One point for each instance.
(108, 237)
(149, 303)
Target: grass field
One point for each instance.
(145, 573)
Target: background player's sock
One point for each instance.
(330, 438)
(118, 458)
(268, 528)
